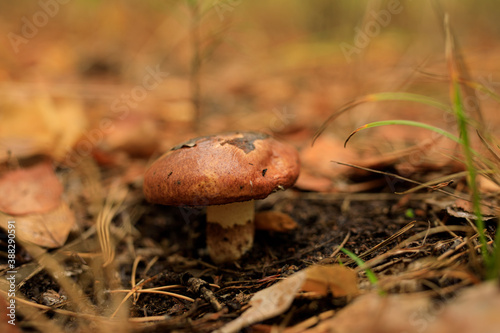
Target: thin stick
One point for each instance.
(400, 177)
(384, 242)
(195, 62)
(337, 250)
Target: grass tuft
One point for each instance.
(465, 118)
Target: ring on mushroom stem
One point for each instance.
(226, 173)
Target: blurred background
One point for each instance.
(100, 77)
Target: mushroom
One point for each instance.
(226, 173)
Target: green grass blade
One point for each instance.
(369, 274)
(410, 97)
(404, 122)
(456, 71)
(380, 97)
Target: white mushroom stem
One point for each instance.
(236, 213)
(230, 230)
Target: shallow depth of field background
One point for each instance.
(277, 66)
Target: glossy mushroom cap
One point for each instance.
(220, 169)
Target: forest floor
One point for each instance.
(82, 116)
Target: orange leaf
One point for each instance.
(274, 221)
(49, 230)
(339, 280)
(31, 190)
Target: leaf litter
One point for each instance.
(321, 280)
(130, 266)
(30, 190)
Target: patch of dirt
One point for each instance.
(170, 241)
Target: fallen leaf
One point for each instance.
(50, 229)
(338, 280)
(268, 302)
(53, 128)
(473, 310)
(274, 221)
(376, 314)
(7, 323)
(464, 209)
(317, 160)
(30, 190)
(275, 300)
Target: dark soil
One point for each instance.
(324, 222)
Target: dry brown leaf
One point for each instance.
(268, 303)
(339, 280)
(464, 209)
(474, 310)
(274, 221)
(52, 129)
(317, 160)
(376, 314)
(8, 319)
(30, 190)
(49, 230)
(275, 300)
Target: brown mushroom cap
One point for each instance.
(220, 169)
